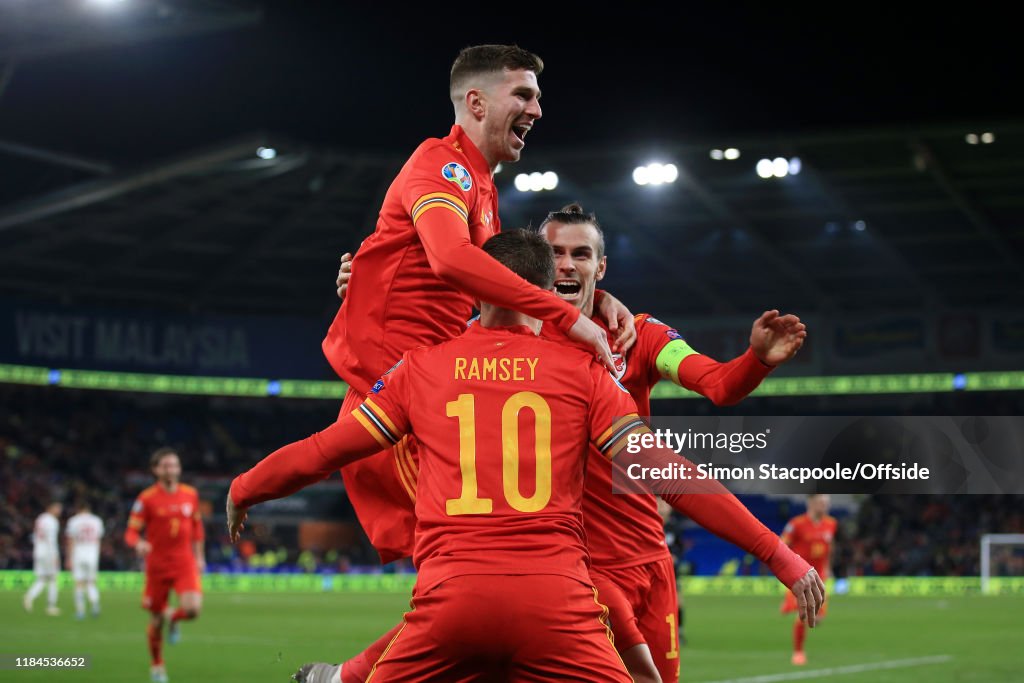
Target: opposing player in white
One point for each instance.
(45, 558)
(84, 531)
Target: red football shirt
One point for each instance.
(627, 530)
(171, 522)
(503, 419)
(812, 540)
(415, 278)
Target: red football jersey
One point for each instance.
(627, 530)
(396, 301)
(171, 522)
(812, 540)
(501, 478)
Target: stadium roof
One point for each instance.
(129, 151)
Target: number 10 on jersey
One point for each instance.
(470, 502)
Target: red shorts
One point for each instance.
(523, 628)
(789, 605)
(643, 606)
(158, 586)
(382, 490)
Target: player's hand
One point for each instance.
(620, 322)
(810, 596)
(236, 519)
(142, 548)
(344, 274)
(201, 564)
(776, 338)
(586, 331)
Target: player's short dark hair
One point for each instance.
(159, 453)
(526, 254)
(573, 214)
(477, 60)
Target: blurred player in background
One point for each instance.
(810, 535)
(45, 558)
(168, 511)
(84, 531)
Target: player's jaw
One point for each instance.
(516, 138)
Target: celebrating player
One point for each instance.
(45, 559)
(810, 535)
(84, 531)
(416, 277)
(632, 567)
(168, 511)
(534, 401)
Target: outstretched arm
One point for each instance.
(297, 465)
(710, 504)
(774, 339)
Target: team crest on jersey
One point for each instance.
(186, 509)
(620, 363)
(457, 173)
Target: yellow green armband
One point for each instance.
(671, 355)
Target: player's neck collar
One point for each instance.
(472, 152)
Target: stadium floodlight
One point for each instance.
(972, 138)
(267, 153)
(522, 182)
(655, 173)
(764, 168)
(732, 154)
(780, 167)
(988, 138)
(550, 180)
(536, 181)
(1008, 557)
(795, 165)
(107, 3)
(717, 154)
(860, 226)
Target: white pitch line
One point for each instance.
(841, 670)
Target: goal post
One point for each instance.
(1000, 544)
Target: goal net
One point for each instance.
(1002, 555)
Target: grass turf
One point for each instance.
(250, 637)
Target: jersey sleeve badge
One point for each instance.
(455, 172)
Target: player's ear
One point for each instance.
(476, 102)
(602, 266)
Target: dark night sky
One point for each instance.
(355, 76)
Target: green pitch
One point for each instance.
(250, 637)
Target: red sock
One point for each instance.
(799, 631)
(155, 644)
(180, 615)
(357, 669)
